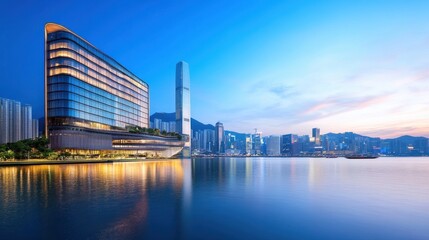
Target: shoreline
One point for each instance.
(93, 161)
(80, 161)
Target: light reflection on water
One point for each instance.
(254, 198)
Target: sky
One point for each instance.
(278, 66)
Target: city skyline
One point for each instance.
(280, 67)
(207, 139)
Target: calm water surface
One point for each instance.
(222, 198)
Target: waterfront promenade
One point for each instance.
(73, 161)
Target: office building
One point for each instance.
(35, 128)
(256, 142)
(91, 101)
(273, 146)
(219, 138)
(208, 140)
(316, 136)
(172, 126)
(248, 144)
(165, 126)
(157, 123)
(289, 145)
(183, 105)
(26, 122)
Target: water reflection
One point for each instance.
(256, 198)
(120, 188)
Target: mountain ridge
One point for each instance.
(197, 125)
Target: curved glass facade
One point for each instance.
(85, 87)
(90, 100)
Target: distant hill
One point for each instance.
(165, 117)
(170, 117)
(197, 125)
(408, 138)
(405, 138)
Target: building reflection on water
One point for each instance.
(64, 186)
(140, 199)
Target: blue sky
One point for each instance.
(279, 66)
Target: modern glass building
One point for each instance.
(90, 99)
(219, 138)
(26, 122)
(183, 104)
(316, 135)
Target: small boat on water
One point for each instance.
(361, 156)
(331, 156)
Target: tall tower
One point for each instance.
(183, 105)
(10, 121)
(219, 138)
(316, 135)
(26, 122)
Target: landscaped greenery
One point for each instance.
(39, 148)
(26, 149)
(154, 132)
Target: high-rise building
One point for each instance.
(35, 128)
(249, 144)
(157, 123)
(165, 126)
(26, 122)
(4, 120)
(273, 146)
(15, 121)
(303, 144)
(289, 146)
(92, 101)
(257, 142)
(183, 105)
(208, 140)
(316, 135)
(172, 126)
(219, 138)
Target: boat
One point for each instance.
(361, 156)
(331, 156)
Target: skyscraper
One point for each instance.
(35, 128)
(257, 142)
(26, 122)
(316, 135)
(157, 123)
(248, 144)
(172, 126)
(15, 121)
(5, 123)
(208, 140)
(219, 138)
(289, 144)
(183, 105)
(273, 146)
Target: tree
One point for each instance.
(26, 148)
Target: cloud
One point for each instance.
(282, 91)
(395, 131)
(335, 105)
(378, 92)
